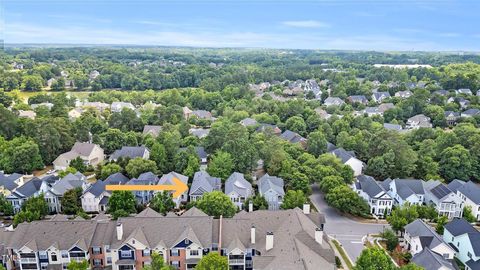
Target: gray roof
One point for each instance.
(407, 187)
(8, 182)
(248, 122)
(430, 260)
(153, 130)
(333, 101)
(83, 149)
(471, 112)
(96, 188)
(358, 98)
(200, 150)
(203, 182)
(202, 114)
(146, 178)
(67, 183)
(167, 179)
(264, 127)
(441, 191)
(331, 147)
(428, 237)
(29, 188)
(199, 132)
(459, 226)
(116, 179)
(392, 126)
(292, 137)
(129, 152)
(471, 191)
(370, 186)
(343, 154)
(237, 183)
(455, 184)
(268, 182)
(380, 95)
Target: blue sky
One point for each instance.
(303, 24)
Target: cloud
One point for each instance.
(306, 24)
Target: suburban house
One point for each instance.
(200, 114)
(378, 97)
(422, 241)
(99, 106)
(405, 191)
(470, 113)
(378, 199)
(469, 192)
(248, 122)
(393, 127)
(199, 132)
(464, 91)
(95, 197)
(27, 114)
(117, 106)
(272, 189)
(147, 178)
(446, 202)
(31, 188)
(404, 94)
(348, 158)
(154, 131)
(419, 121)
(130, 152)
(238, 189)
(249, 241)
(54, 195)
(9, 182)
(451, 117)
(293, 137)
(333, 101)
(91, 154)
(269, 128)
(312, 86)
(370, 111)
(167, 179)
(203, 183)
(358, 99)
(385, 107)
(201, 154)
(465, 239)
(48, 105)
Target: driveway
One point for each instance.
(348, 232)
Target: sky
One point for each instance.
(385, 25)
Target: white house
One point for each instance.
(92, 197)
(167, 179)
(119, 106)
(465, 239)
(203, 183)
(271, 188)
(470, 194)
(378, 199)
(419, 121)
(348, 158)
(333, 101)
(54, 195)
(238, 189)
(405, 191)
(91, 154)
(446, 202)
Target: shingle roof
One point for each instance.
(67, 183)
(455, 184)
(30, 187)
(96, 188)
(342, 154)
(440, 191)
(392, 126)
(428, 237)
(459, 226)
(369, 185)
(153, 130)
(167, 179)
(203, 182)
(129, 152)
(292, 137)
(471, 191)
(8, 182)
(148, 212)
(237, 183)
(116, 179)
(268, 182)
(430, 260)
(407, 187)
(83, 149)
(194, 212)
(200, 150)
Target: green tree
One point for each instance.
(294, 198)
(67, 171)
(109, 169)
(32, 83)
(122, 201)
(317, 143)
(58, 84)
(411, 266)
(5, 99)
(212, 261)
(456, 163)
(137, 166)
(330, 182)
(6, 208)
(374, 258)
(10, 123)
(468, 214)
(162, 202)
(346, 200)
(216, 204)
(78, 164)
(296, 124)
(259, 202)
(221, 165)
(441, 221)
(78, 265)
(193, 165)
(157, 263)
(401, 216)
(25, 216)
(390, 238)
(71, 201)
(112, 139)
(158, 153)
(20, 155)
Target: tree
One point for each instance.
(468, 214)
(193, 165)
(317, 143)
(10, 123)
(36, 205)
(112, 139)
(221, 165)
(78, 164)
(390, 238)
(159, 155)
(6, 208)
(212, 261)
(456, 163)
(71, 201)
(401, 216)
(162, 202)
(157, 263)
(109, 169)
(216, 204)
(330, 182)
(20, 155)
(119, 213)
(346, 200)
(259, 202)
(67, 171)
(441, 221)
(374, 258)
(296, 124)
(411, 266)
(78, 265)
(32, 83)
(294, 198)
(5, 99)
(137, 166)
(25, 216)
(122, 201)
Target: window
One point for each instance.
(97, 262)
(146, 252)
(125, 253)
(174, 252)
(64, 254)
(44, 266)
(109, 260)
(469, 254)
(107, 248)
(43, 255)
(54, 257)
(97, 250)
(194, 252)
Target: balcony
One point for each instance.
(28, 260)
(236, 261)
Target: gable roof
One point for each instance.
(430, 260)
(459, 226)
(343, 154)
(129, 152)
(200, 150)
(167, 179)
(96, 188)
(428, 237)
(441, 191)
(268, 182)
(236, 182)
(471, 191)
(292, 137)
(116, 179)
(455, 184)
(203, 182)
(67, 183)
(408, 187)
(148, 212)
(153, 130)
(29, 188)
(370, 186)
(8, 182)
(194, 212)
(83, 149)
(392, 126)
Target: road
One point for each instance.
(348, 232)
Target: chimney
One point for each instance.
(306, 208)
(250, 206)
(119, 231)
(269, 241)
(319, 235)
(252, 234)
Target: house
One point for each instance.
(393, 127)
(293, 137)
(248, 122)
(48, 105)
(93, 75)
(117, 106)
(442, 93)
(465, 239)
(31, 188)
(446, 202)
(54, 195)
(385, 107)
(200, 114)
(99, 106)
(312, 86)
(451, 117)
(154, 131)
(147, 178)
(167, 179)
(199, 132)
(430, 260)
(464, 103)
(238, 189)
(464, 91)
(358, 99)
(91, 154)
(349, 158)
(95, 197)
(404, 94)
(203, 183)
(333, 101)
(370, 190)
(248, 241)
(130, 152)
(201, 154)
(469, 192)
(405, 191)
(371, 111)
(269, 128)
(378, 97)
(322, 113)
(75, 113)
(419, 121)
(421, 237)
(10, 182)
(27, 114)
(470, 113)
(272, 189)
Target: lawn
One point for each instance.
(343, 254)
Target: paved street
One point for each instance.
(347, 231)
